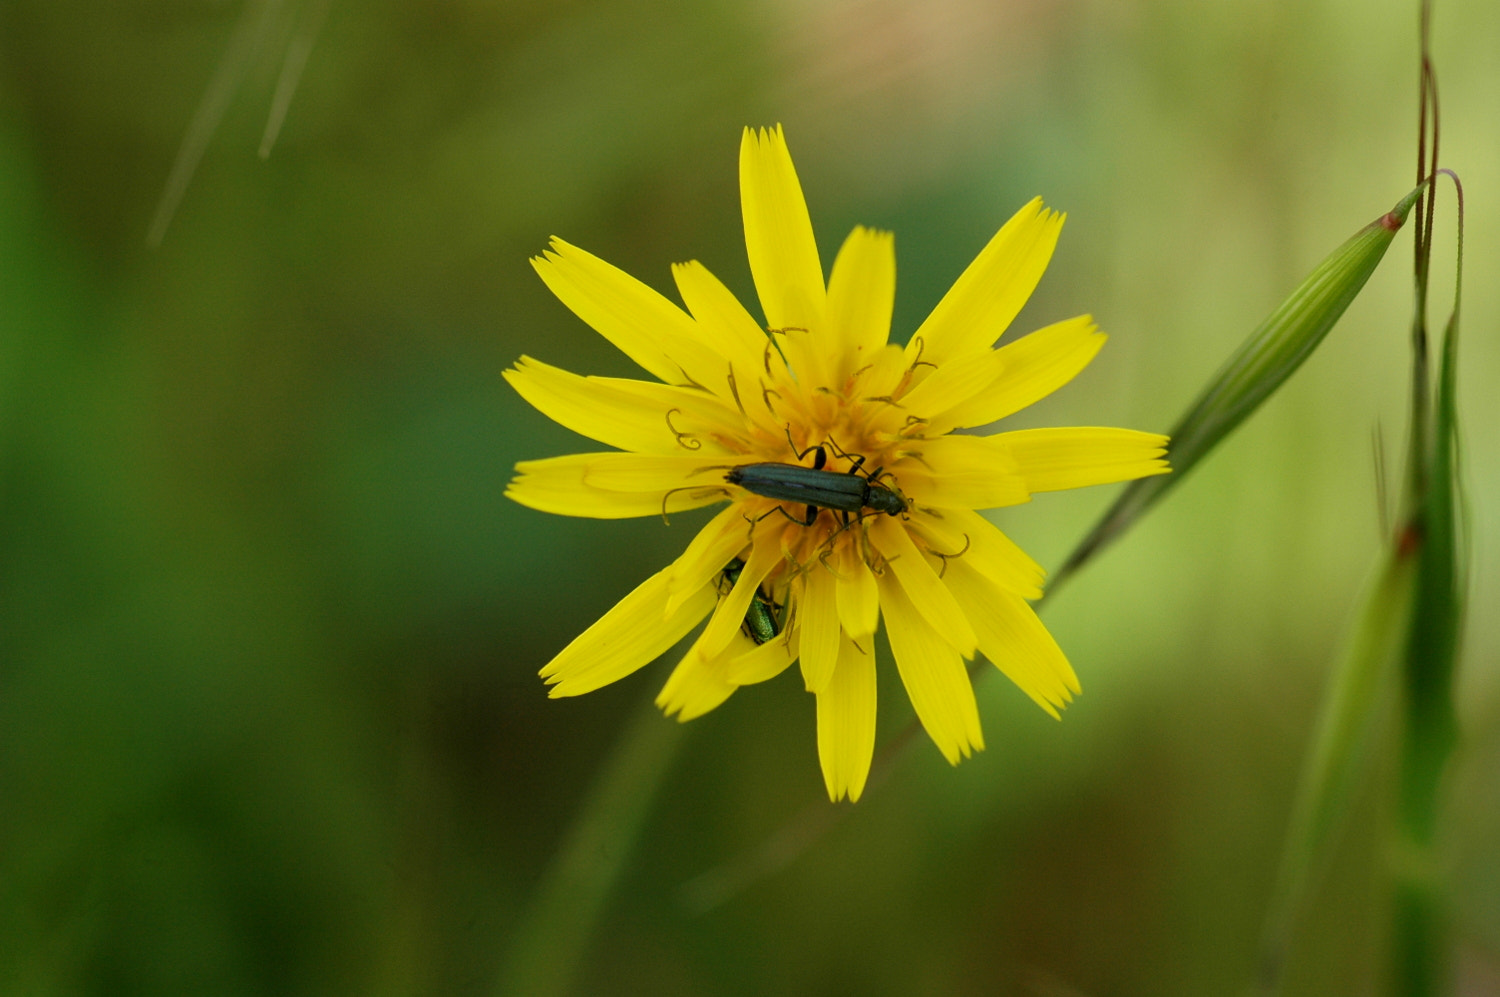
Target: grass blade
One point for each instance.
(546, 951)
(1262, 363)
(1362, 682)
(1430, 733)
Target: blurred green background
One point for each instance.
(269, 633)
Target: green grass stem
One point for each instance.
(1430, 731)
(1262, 364)
(1359, 693)
(547, 949)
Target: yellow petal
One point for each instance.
(817, 612)
(846, 723)
(647, 327)
(984, 548)
(558, 485)
(1013, 638)
(764, 662)
(858, 595)
(720, 541)
(933, 673)
(697, 684)
(1031, 368)
(730, 614)
(720, 314)
(970, 472)
(630, 635)
(634, 472)
(887, 368)
(783, 253)
(1053, 459)
(696, 419)
(987, 296)
(951, 386)
(923, 588)
(695, 403)
(613, 417)
(861, 294)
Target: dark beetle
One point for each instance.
(843, 491)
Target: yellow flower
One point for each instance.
(820, 383)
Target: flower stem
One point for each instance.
(1432, 527)
(547, 948)
(1263, 362)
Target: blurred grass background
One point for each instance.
(269, 714)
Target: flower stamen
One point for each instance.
(944, 557)
(685, 440)
(921, 344)
(703, 492)
(734, 392)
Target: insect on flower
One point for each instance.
(762, 622)
(844, 492)
(902, 542)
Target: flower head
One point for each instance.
(850, 495)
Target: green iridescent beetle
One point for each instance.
(762, 618)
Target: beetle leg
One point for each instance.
(812, 514)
